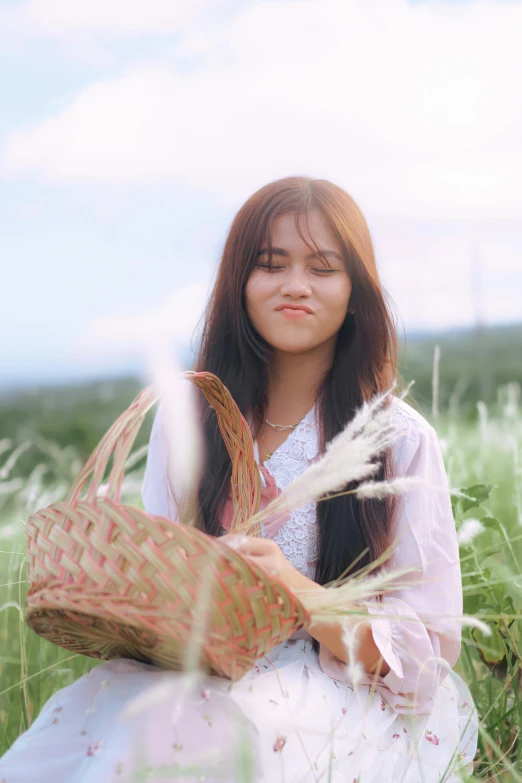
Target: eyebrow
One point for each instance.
(280, 251)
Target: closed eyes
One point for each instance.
(273, 267)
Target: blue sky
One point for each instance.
(131, 132)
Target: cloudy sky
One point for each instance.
(132, 130)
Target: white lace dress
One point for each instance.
(295, 717)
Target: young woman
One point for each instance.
(298, 329)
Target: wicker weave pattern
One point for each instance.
(107, 580)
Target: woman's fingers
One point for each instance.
(257, 547)
(262, 551)
(234, 540)
(249, 545)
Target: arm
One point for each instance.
(330, 636)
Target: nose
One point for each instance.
(295, 283)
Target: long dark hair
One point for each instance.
(364, 362)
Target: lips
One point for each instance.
(303, 308)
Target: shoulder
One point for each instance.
(414, 434)
(406, 418)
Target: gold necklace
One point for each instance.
(283, 427)
(279, 428)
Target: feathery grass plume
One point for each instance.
(5, 445)
(344, 598)
(184, 436)
(348, 457)
(469, 529)
(381, 489)
(345, 603)
(351, 642)
(9, 487)
(13, 458)
(470, 621)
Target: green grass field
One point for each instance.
(483, 456)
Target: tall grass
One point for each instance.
(484, 463)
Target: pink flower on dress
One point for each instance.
(431, 737)
(205, 693)
(93, 749)
(268, 493)
(383, 705)
(344, 710)
(279, 744)
(396, 736)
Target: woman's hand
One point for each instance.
(265, 553)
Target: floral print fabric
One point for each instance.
(286, 721)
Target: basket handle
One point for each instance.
(118, 441)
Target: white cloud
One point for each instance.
(125, 18)
(173, 321)
(412, 110)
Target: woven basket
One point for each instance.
(108, 580)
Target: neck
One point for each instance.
(294, 383)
